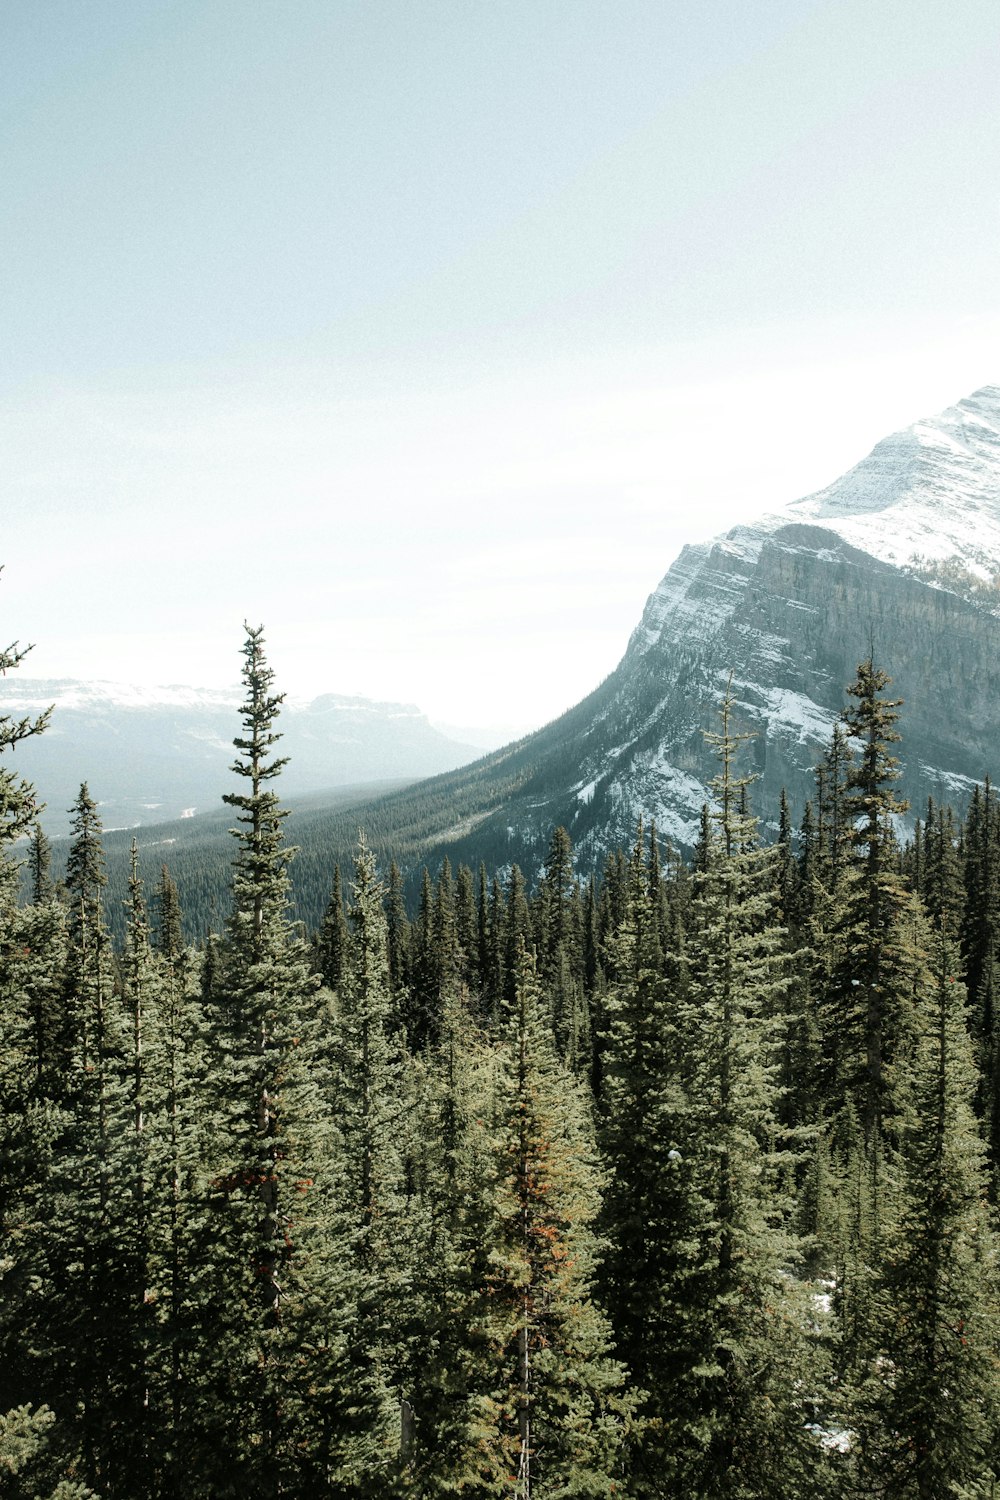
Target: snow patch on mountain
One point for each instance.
(950, 783)
(796, 717)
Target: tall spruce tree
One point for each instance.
(929, 1408)
(558, 1406)
(271, 1119)
(646, 1124)
(737, 1423)
(37, 1445)
(980, 939)
(878, 896)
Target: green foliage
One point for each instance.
(523, 1196)
(558, 1405)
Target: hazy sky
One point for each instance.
(426, 333)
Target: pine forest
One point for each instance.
(677, 1181)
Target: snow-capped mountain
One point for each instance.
(901, 554)
(153, 753)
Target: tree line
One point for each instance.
(678, 1182)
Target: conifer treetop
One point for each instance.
(18, 808)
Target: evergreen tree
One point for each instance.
(446, 1415)
(397, 933)
(18, 807)
(423, 1002)
(334, 939)
(879, 894)
(558, 1406)
(169, 939)
(557, 941)
(272, 1128)
(35, 1447)
(646, 1127)
(93, 1258)
(980, 940)
(367, 1087)
(736, 1423)
(467, 929)
(929, 1409)
(40, 867)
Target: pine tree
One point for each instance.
(422, 1014)
(367, 1086)
(646, 1125)
(736, 1423)
(516, 931)
(929, 1409)
(446, 1413)
(397, 936)
(40, 867)
(271, 1119)
(92, 1348)
(35, 1447)
(980, 940)
(334, 939)
(169, 936)
(558, 1406)
(879, 894)
(467, 929)
(557, 941)
(18, 807)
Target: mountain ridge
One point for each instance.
(150, 753)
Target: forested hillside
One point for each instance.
(678, 1180)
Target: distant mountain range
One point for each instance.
(152, 754)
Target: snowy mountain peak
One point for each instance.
(927, 494)
(926, 500)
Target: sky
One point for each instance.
(427, 332)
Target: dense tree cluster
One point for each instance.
(678, 1182)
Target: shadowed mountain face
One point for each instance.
(901, 555)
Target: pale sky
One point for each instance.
(427, 333)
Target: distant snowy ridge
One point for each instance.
(25, 694)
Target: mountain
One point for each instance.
(150, 754)
(901, 556)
